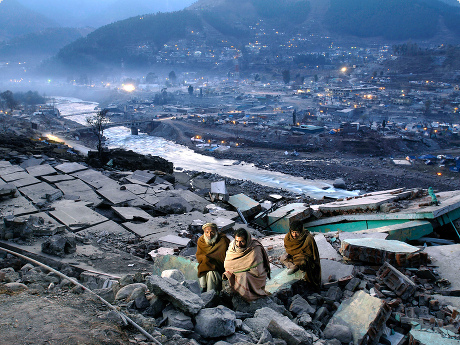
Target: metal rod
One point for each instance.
(123, 316)
(455, 228)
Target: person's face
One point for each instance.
(295, 234)
(240, 242)
(209, 232)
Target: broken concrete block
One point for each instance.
(38, 192)
(340, 332)
(132, 214)
(41, 170)
(143, 176)
(215, 322)
(365, 315)
(281, 219)
(177, 318)
(291, 333)
(173, 241)
(172, 205)
(429, 337)
(181, 297)
(396, 281)
(378, 251)
(247, 206)
(59, 245)
(173, 274)
(69, 168)
(7, 190)
(300, 306)
(127, 290)
(75, 215)
(446, 258)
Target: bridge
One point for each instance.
(144, 125)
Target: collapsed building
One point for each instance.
(131, 238)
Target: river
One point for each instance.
(183, 157)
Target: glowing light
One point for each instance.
(54, 138)
(128, 87)
(439, 174)
(343, 69)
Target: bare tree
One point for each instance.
(98, 123)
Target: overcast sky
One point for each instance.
(100, 12)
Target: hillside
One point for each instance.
(16, 20)
(270, 23)
(44, 43)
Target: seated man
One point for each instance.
(302, 253)
(211, 249)
(247, 266)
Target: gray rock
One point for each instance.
(290, 332)
(239, 338)
(304, 320)
(59, 245)
(210, 298)
(339, 183)
(156, 306)
(138, 292)
(265, 337)
(340, 332)
(141, 302)
(221, 342)
(192, 285)
(215, 322)
(300, 306)
(127, 290)
(173, 274)
(177, 318)
(9, 275)
(261, 320)
(241, 305)
(106, 294)
(126, 280)
(16, 287)
(172, 291)
(333, 342)
(116, 318)
(35, 276)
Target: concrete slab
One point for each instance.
(5, 164)
(430, 337)
(223, 224)
(143, 176)
(281, 219)
(9, 169)
(151, 199)
(14, 176)
(116, 196)
(31, 162)
(446, 258)
(167, 262)
(79, 189)
(197, 202)
(132, 213)
(96, 179)
(69, 168)
(38, 192)
(25, 182)
(326, 251)
(335, 270)
(57, 178)
(371, 202)
(223, 213)
(75, 215)
(41, 170)
(136, 188)
(245, 204)
(364, 315)
(109, 227)
(412, 230)
(16, 207)
(173, 241)
(448, 300)
(280, 279)
(150, 231)
(361, 234)
(378, 251)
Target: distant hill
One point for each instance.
(16, 20)
(392, 19)
(44, 43)
(137, 40)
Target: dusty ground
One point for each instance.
(57, 318)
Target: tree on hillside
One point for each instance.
(8, 101)
(286, 76)
(97, 123)
(172, 76)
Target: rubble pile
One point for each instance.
(107, 226)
